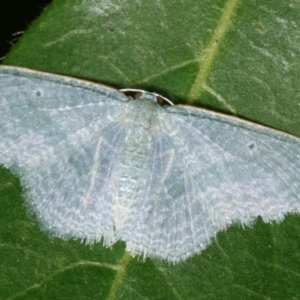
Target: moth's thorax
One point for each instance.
(143, 111)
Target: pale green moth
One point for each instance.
(96, 164)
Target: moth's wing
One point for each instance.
(207, 171)
(71, 192)
(242, 170)
(166, 220)
(39, 111)
(62, 137)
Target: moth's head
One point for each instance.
(141, 94)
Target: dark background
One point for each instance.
(15, 16)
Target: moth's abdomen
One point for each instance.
(133, 160)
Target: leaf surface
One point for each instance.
(237, 57)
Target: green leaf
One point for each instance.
(238, 57)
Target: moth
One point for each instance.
(96, 165)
